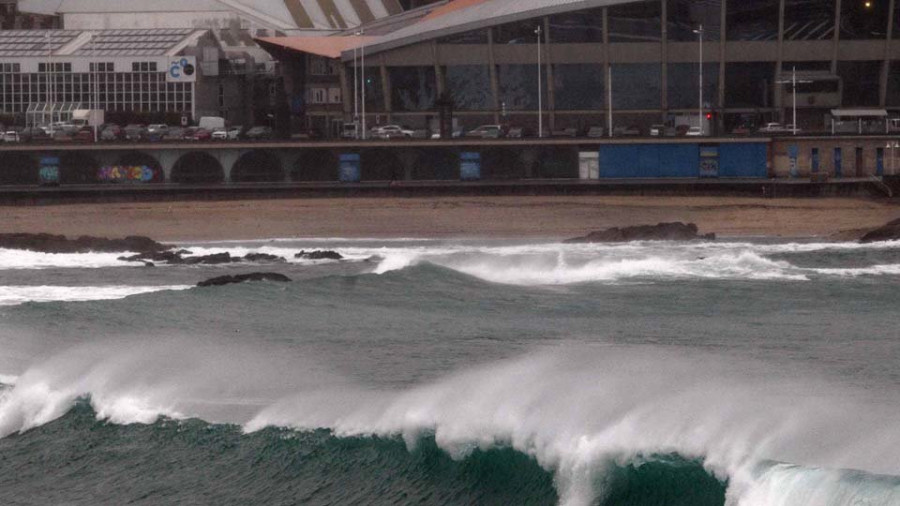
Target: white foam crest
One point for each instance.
(874, 270)
(138, 380)
(790, 485)
(15, 295)
(23, 259)
(561, 269)
(8, 379)
(574, 412)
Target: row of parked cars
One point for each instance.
(512, 132)
(67, 132)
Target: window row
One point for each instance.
(745, 20)
(636, 86)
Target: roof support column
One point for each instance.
(345, 92)
(775, 82)
(664, 61)
(723, 37)
(607, 72)
(438, 70)
(386, 86)
(547, 58)
(886, 65)
(495, 85)
(836, 39)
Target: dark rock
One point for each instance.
(49, 243)
(172, 257)
(890, 231)
(149, 264)
(263, 257)
(319, 255)
(240, 278)
(215, 259)
(661, 232)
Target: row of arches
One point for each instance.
(310, 165)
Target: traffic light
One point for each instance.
(709, 115)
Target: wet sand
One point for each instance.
(450, 217)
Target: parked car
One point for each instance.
(202, 134)
(219, 134)
(349, 131)
(157, 128)
(694, 132)
(258, 133)
(34, 134)
(11, 136)
(565, 132)
(135, 132)
(774, 128)
(84, 134)
(487, 132)
(595, 132)
(631, 130)
(174, 134)
(390, 132)
(62, 135)
(234, 133)
(112, 133)
(657, 130)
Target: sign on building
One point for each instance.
(182, 69)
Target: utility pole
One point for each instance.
(700, 104)
(540, 98)
(363, 84)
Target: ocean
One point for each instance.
(740, 372)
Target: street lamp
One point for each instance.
(362, 83)
(699, 32)
(355, 92)
(537, 32)
(793, 81)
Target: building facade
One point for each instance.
(635, 61)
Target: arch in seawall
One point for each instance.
(257, 166)
(316, 164)
(197, 167)
(19, 168)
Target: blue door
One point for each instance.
(815, 160)
(837, 162)
(879, 162)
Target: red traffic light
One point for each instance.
(708, 115)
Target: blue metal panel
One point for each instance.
(620, 161)
(349, 168)
(879, 161)
(650, 160)
(743, 160)
(838, 162)
(678, 160)
(815, 160)
(470, 166)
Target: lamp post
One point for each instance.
(537, 32)
(699, 32)
(893, 145)
(362, 84)
(793, 82)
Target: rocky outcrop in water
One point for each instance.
(660, 232)
(319, 255)
(890, 231)
(49, 243)
(178, 258)
(240, 278)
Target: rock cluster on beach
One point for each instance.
(676, 231)
(179, 258)
(49, 243)
(240, 278)
(890, 231)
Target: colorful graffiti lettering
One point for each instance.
(133, 173)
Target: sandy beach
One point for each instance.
(450, 217)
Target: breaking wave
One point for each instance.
(600, 420)
(15, 295)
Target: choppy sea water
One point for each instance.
(738, 372)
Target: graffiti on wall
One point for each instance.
(126, 174)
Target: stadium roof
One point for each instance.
(329, 47)
(276, 14)
(156, 42)
(463, 15)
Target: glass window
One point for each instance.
(893, 90)
(686, 15)
(808, 19)
(469, 86)
(374, 90)
(859, 82)
(520, 32)
(579, 87)
(412, 88)
(755, 20)
(577, 27)
(472, 37)
(749, 85)
(636, 86)
(518, 87)
(683, 80)
(864, 19)
(636, 22)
